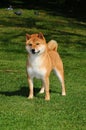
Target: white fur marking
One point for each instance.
(58, 74)
(35, 70)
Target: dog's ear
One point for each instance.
(40, 35)
(28, 37)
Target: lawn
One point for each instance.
(60, 113)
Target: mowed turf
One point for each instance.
(60, 113)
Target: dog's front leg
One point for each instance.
(46, 86)
(30, 82)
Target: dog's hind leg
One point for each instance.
(60, 75)
(42, 89)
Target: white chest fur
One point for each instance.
(35, 69)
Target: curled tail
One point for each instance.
(52, 45)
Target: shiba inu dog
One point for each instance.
(42, 59)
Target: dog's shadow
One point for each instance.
(24, 91)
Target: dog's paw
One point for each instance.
(30, 97)
(47, 98)
(64, 94)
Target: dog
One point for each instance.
(42, 59)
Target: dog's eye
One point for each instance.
(30, 44)
(37, 43)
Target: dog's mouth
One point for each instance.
(35, 52)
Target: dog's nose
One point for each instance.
(33, 51)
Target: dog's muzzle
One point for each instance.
(34, 52)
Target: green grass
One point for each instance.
(60, 113)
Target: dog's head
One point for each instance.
(35, 44)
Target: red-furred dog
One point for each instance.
(42, 58)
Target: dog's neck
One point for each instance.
(35, 59)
